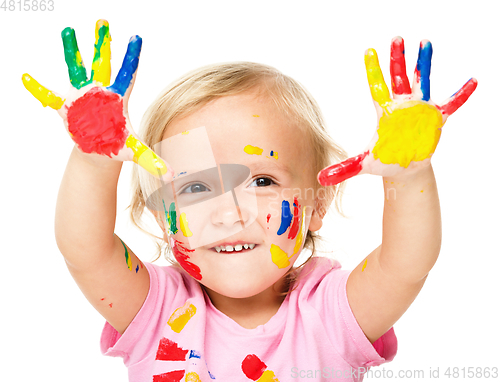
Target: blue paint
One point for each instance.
(137, 269)
(424, 68)
(194, 354)
(272, 152)
(286, 217)
(129, 67)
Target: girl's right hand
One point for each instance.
(96, 114)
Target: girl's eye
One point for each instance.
(194, 188)
(262, 182)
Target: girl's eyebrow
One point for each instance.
(270, 164)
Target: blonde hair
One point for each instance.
(198, 87)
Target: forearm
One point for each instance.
(86, 209)
(411, 238)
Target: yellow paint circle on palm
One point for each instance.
(408, 134)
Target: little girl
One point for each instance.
(233, 184)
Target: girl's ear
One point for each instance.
(317, 215)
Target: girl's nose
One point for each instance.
(229, 215)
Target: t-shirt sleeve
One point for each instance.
(165, 287)
(343, 329)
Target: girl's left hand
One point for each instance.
(409, 124)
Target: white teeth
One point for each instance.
(237, 247)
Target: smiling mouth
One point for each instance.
(235, 248)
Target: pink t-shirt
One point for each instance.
(178, 335)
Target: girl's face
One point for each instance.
(238, 210)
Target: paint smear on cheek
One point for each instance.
(295, 224)
(364, 265)
(184, 225)
(286, 217)
(96, 122)
(183, 258)
(302, 233)
(181, 316)
(253, 150)
(253, 367)
(279, 257)
(172, 218)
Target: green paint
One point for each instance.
(172, 218)
(76, 70)
(103, 32)
(127, 256)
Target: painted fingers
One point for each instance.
(125, 79)
(41, 93)
(378, 88)
(451, 105)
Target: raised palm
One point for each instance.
(94, 113)
(409, 124)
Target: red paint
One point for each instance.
(172, 376)
(169, 351)
(268, 217)
(111, 305)
(399, 80)
(459, 98)
(96, 122)
(295, 223)
(102, 299)
(253, 367)
(182, 258)
(339, 172)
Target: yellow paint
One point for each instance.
(41, 93)
(255, 115)
(145, 157)
(280, 257)
(364, 265)
(184, 225)
(192, 377)
(102, 66)
(181, 317)
(421, 190)
(408, 134)
(378, 88)
(302, 232)
(268, 376)
(253, 150)
(185, 132)
(275, 155)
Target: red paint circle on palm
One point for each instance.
(96, 122)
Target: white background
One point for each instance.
(50, 332)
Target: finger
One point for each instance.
(41, 93)
(421, 81)
(458, 99)
(148, 160)
(378, 88)
(101, 66)
(76, 69)
(124, 79)
(399, 80)
(337, 173)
